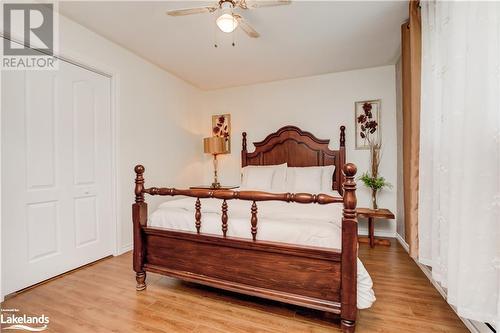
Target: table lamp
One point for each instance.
(214, 145)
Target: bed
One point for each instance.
(298, 248)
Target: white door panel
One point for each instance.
(40, 108)
(42, 229)
(56, 173)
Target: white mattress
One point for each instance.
(302, 224)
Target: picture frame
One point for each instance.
(221, 126)
(376, 106)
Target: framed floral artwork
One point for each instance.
(221, 126)
(367, 123)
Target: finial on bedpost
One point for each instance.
(244, 150)
(342, 136)
(350, 189)
(339, 176)
(139, 183)
(349, 252)
(244, 142)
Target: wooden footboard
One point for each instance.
(258, 269)
(318, 278)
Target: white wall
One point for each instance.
(319, 104)
(155, 116)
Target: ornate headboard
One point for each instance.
(298, 148)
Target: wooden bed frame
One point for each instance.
(314, 277)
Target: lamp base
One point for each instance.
(215, 185)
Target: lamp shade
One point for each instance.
(214, 145)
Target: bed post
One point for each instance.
(139, 218)
(341, 163)
(349, 252)
(244, 150)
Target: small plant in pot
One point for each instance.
(368, 132)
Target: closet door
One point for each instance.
(56, 173)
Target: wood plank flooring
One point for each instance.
(102, 298)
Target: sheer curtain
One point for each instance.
(459, 213)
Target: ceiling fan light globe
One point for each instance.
(227, 23)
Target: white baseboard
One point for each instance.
(364, 232)
(403, 243)
(473, 326)
(125, 248)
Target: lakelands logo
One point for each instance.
(29, 36)
(10, 319)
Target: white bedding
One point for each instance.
(310, 224)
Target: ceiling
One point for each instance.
(302, 39)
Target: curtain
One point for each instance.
(459, 214)
(411, 60)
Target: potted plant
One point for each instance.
(368, 131)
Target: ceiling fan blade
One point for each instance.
(246, 27)
(264, 3)
(190, 11)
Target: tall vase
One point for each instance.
(374, 199)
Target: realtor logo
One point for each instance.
(11, 319)
(29, 32)
(36, 22)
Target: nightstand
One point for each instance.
(372, 215)
(208, 187)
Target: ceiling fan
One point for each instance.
(228, 21)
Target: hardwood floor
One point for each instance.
(102, 298)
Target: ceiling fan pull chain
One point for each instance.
(234, 27)
(232, 36)
(215, 33)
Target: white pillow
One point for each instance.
(265, 177)
(327, 178)
(305, 179)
